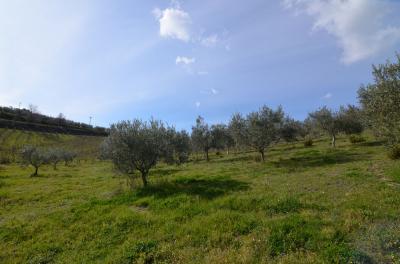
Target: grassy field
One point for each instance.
(304, 205)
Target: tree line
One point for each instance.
(138, 145)
(32, 119)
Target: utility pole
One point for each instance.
(90, 120)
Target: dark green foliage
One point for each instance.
(293, 234)
(141, 250)
(24, 119)
(394, 152)
(201, 137)
(259, 129)
(308, 142)
(291, 130)
(354, 139)
(181, 145)
(287, 205)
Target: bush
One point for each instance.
(308, 142)
(354, 139)
(5, 160)
(394, 152)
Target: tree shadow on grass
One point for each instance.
(209, 188)
(316, 158)
(160, 172)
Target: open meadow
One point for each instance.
(303, 205)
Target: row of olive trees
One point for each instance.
(36, 157)
(138, 146)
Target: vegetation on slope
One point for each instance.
(12, 141)
(24, 119)
(303, 205)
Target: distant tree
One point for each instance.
(68, 156)
(221, 137)
(34, 109)
(238, 129)
(35, 157)
(182, 146)
(291, 130)
(380, 101)
(264, 128)
(311, 129)
(201, 136)
(329, 121)
(351, 120)
(259, 129)
(137, 145)
(54, 156)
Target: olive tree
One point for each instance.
(380, 101)
(201, 136)
(137, 145)
(238, 130)
(291, 130)
(182, 146)
(329, 121)
(351, 120)
(54, 156)
(221, 137)
(259, 129)
(35, 157)
(68, 156)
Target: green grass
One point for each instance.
(304, 205)
(11, 141)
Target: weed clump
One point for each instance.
(394, 152)
(308, 142)
(354, 139)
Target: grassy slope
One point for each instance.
(86, 146)
(309, 205)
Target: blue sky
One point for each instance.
(175, 60)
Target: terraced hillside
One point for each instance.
(12, 140)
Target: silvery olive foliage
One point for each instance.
(380, 102)
(258, 130)
(138, 146)
(202, 137)
(36, 157)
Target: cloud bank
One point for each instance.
(358, 25)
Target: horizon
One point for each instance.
(176, 60)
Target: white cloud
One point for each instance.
(358, 25)
(181, 60)
(210, 41)
(174, 23)
(327, 96)
(197, 104)
(214, 91)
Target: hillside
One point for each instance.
(12, 140)
(303, 205)
(28, 120)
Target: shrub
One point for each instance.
(394, 152)
(354, 139)
(5, 160)
(308, 142)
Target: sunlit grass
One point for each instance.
(304, 205)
